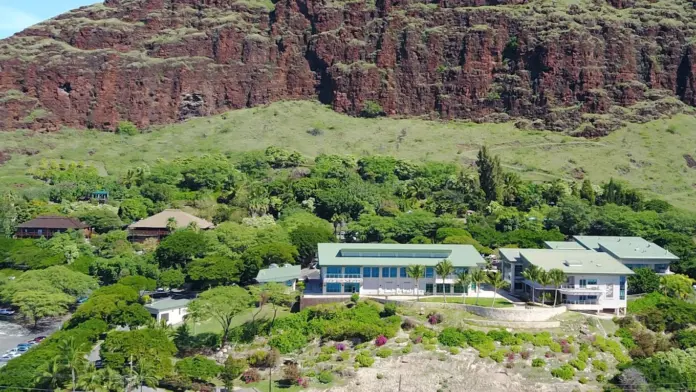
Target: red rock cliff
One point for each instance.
(582, 68)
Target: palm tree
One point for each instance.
(496, 280)
(72, 358)
(558, 277)
(464, 279)
(144, 375)
(443, 269)
(477, 277)
(532, 274)
(50, 376)
(416, 272)
(102, 380)
(544, 280)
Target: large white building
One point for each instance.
(380, 269)
(633, 252)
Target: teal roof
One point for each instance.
(279, 274)
(168, 304)
(574, 262)
(511, 255)
(632, 248)
(397, 255)
(563, 245)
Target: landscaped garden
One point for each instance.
(489, 302)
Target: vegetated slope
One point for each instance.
(576, 65)
(650, 157)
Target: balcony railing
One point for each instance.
(343, 276)
(580, 287)
(582, 302)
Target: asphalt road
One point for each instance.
(12, 334)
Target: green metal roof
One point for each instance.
(279, 274)
(563, 245)
(635, 248)
(511, 255)
(168, 304)
(575, 261)
(397, 255)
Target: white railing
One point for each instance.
(581, 302)
(580, 287)
(343, 276)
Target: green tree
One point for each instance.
(305, 238)
(490, 175)
(587, 192)
(234, 367)
(416, 272)
(371, 109)
(263, 255)
(36, 305)
(572, 216)
(277, 295)
(532, 274)
(172, 278)
(102, 220)
(144, 373)
(72, 357)
(557, 277)
(127, 128)
(198, 368)
(215, 270)
(51, 376)
(443, 269)
(221, 303)
(677, 286)
(132, 210)
(139, 283)
(153, 346)
(645, 280)
(8, 214)
(464, 279)
(496, 280)
(477, 277)
(100, 380)
(544, 280)
(179, 248)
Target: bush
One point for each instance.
(600, 378)
(354, 298)
(599, 365)
(263, 359)
(381, 341)
(340, 346)
(565, 372)
(408, 324)
(234, 367)
(389, 310)
(329, 350)
(525, 354)
(198, 368)
(407, 349)
(516, 349)
(555, 347)
(583, 380)
(504, 337)
(429, 347)
(538, 362)
(323, 358)
(127, 128)
(497, 356)
(421, 332)
(452, 337)
(544, 339)
(325, 377)
(371, 109)
(578, 364)
(525, 337)
(288, 341)
(549, 354)
(454, 350)
(343, 356)
(292, 373)
(251, 375)
(384, 353)
(686, 338)
(364, 360)
(434, 318)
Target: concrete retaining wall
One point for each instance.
(514, 324)
(313, 300)
(516, 314)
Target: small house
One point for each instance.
(287, 274)
(100, 196)
(161, 225)
(47, 226)
(172, 311)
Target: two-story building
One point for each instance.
(633, 252)
(381, 269)
(48, 226)
(595, 281)
(161, 225)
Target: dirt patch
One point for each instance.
(690, 161)
(578, 173)
(4, 157)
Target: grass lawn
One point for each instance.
(211, 325)
(640, 154)
(499, 302)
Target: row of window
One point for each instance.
(407, 255)
(355, 288)
(659, 268)
(387, 272)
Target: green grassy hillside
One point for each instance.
(648, 156)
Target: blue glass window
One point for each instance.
(334, 270)
(429, 272)
(375, 272)
(402, 272)
(661, 268)
(333, 287)
(622, 288)
(351, 288)
(367, 272)
(592, 282)
(389, 272)
(352, 270)
(459, 270)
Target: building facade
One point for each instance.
(381, 269)
(48, 226)
(171, 311)
(595, 281)
(161, 225)
(633, 252)
(287, 275)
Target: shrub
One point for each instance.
(510, 356)
(288, 341)
(686, 338)
(429, 347)
(389, 310)
(198, 368)
(600, 378)
(355, 298)
(565, 372)
(578, 364)
(599, 365)
(381, 340)
(380, 376)
(434, 318)
(525, 337)
(497, 356)
(323, 358)
(525, 354)
(583, 380)
(340, 346)
(325, 377)
(555, 347)
(251, 375)
(407, 349)
(516, 349)
(612, 347)
(234, 367)
(452, 337)
(582, 355)
(329, 350)
(549, 354)
(543, 339)
(408, 324)
(292, 374)
(504, 337)
(454, 350)
(371, 109)
(343, 356)
(538, 362)
(263, 359)
(384, 353)
(127, 128)
(364, 360)
(422, 332)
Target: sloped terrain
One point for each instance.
(583, 66)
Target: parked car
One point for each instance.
(12, 351)
(38, 339)
(6, 312)
(23, 349)
(82, 300)
(6, 357)
(98, 364)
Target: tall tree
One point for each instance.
(36, 305)
(558, 277)
(645, 280)
(587, 192)
(72, 358)
(490, 175)
(306, 237)
(477, 277)
(532, 275)
(677, 286)
(416, 272)
(143, 374)
(464, 279)
(100, 380)
(544, 280)
(50, 376)
(496, 280)
(444, 269)
(223, 304)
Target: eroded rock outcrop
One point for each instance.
(577, 68)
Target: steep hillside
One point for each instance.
(582, 66)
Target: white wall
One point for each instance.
(394, 286)
(176, 316)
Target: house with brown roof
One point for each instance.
(160, 225)
(47, 226)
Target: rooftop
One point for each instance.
(626, 247)
(53, 222)
(159, 221)
(575, 261)
(168, 304)
(279, 274)
(511, 255)
(563, 245)
(397, 255)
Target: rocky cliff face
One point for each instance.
(581, 66)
